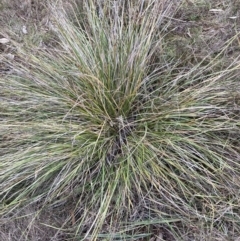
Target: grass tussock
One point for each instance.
(113, 124)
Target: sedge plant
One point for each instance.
(111, 125)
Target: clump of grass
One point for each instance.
(109, 124)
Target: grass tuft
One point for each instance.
(112, 124)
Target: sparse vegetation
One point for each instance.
(120, 121)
